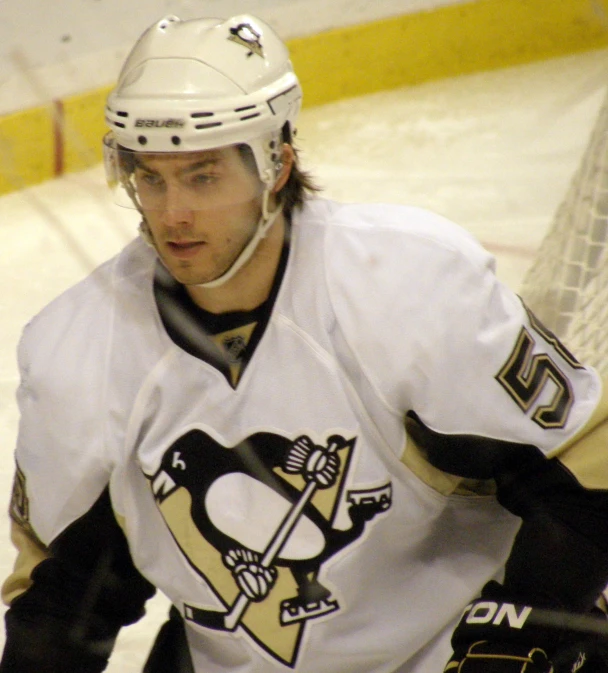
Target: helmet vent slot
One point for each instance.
(256, 114)
(207, 126)
(198, 115)
(121, 113)
(115, 123)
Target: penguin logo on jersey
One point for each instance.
(246, 35)
(257, 522)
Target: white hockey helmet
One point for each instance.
(201, 84)
(206, 83)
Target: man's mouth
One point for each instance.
(184, 249)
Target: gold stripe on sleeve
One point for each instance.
(586, 454)
(31, 552)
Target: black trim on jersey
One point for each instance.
(80, 597)
(560, 555)
(189, 326)
(469, 456)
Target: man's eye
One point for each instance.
(203, 178)
(151, 179)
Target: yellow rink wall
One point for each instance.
(65, 135)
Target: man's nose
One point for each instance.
(177, 211)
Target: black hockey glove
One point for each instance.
(485, 657)
(497, 636)
(490, 657)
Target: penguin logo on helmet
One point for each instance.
(246, 35)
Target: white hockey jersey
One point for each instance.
(382, 310)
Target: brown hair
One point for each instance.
(300, 184)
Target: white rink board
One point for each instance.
(493, 151)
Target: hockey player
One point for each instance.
(326, 432)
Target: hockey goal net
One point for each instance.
(567, 284)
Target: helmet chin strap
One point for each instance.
(264, 223)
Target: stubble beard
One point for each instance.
(188, 272)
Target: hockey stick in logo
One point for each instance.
(230, 620)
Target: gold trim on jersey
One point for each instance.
(586, 454)
(30, 552)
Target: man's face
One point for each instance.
(201, 207)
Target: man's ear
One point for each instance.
(288, 158)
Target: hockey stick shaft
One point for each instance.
(569, 621)
(233, 616)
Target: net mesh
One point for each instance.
(567, 285)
